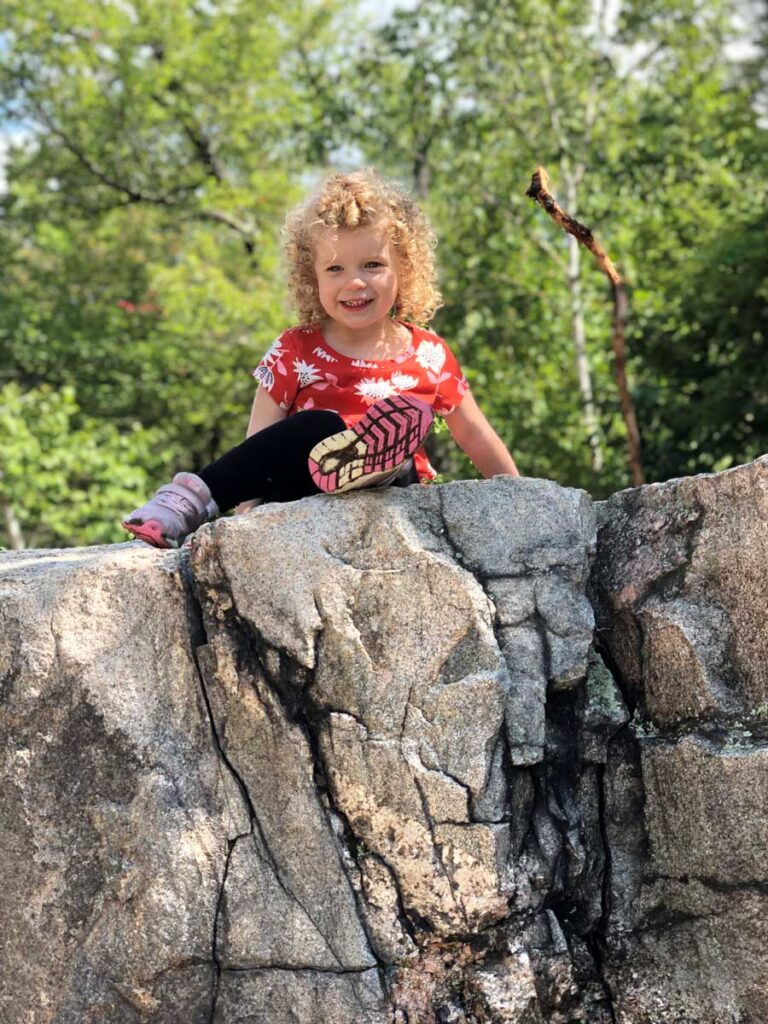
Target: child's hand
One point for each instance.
(246, 506)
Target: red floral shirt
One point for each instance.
(301, 371)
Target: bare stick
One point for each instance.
(540, 193)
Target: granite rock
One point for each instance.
(363, 760)
(681, 614)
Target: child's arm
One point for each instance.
(264, 412)
(474, 435)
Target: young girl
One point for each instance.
(346, 398)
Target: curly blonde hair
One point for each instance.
(360, 199)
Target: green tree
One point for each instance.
(617, 110)
(700, 260)
(140, 231)
(72, 471)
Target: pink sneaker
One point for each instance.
(175, 511)
(375, 448)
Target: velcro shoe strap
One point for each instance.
(172, 490)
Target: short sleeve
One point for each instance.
(274, 371)
(452, 384)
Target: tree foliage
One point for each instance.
(164, 142)
(140, 233)
(621, 112)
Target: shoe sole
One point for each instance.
(374, 448)
(150, 533)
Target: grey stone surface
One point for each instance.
(707, 810)
(514, 527)
(415, 668)
(290, 861)
(354, 760)
(115, 812)
(678, 588)
(699, 958)
(295, 997)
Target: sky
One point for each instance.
(8, 135)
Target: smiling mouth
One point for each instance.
(356, 303)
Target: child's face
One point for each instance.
(356, 271)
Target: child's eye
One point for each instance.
(374, 263)
(333, 269)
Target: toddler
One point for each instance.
(346, 398)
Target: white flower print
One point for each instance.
(271, 360)
(371, 389)
(403, 381)
(264, 376)
(274, 352)
(430, 355)
(306, 372)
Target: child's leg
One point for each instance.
(314, 451)
(271, 465)
(275, 465)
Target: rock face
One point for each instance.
(679, 586)
(358, 760)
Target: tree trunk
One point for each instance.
(421, 169)
(583, 370)
(13, 528)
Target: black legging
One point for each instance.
(272, 464)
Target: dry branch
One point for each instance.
(540, 193)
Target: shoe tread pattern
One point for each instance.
(390, 433)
